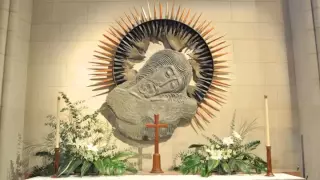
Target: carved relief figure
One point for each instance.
(160, 87)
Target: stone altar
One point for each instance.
(278, 176)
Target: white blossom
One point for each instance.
(236, 135)
(227, 141)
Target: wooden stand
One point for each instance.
(269, 164)
(156, 166)
(56, 162)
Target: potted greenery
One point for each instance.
(87, 145)
(228, 155)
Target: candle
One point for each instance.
(267, 121)
(58, 124)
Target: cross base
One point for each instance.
(156, 167)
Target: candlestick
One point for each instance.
(58, 125)
(267, 121)
(269, 162)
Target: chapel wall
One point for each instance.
(307, 78)
(65, 33)
(15, 25)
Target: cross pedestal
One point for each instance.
(156, 167)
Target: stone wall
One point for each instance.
(66, 32)
(307, 77)
(15, 24)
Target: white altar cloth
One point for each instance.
(278, 176)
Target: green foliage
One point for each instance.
(115, 165)
(87, 145)
(229, 155)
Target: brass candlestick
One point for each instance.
(269, 163)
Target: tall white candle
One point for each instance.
(58, 124)
(267, 121)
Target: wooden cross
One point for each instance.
(140, 156)
(156, 167)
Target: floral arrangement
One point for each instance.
(87, 144)
(228, 155)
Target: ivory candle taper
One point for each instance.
(58, 124)
(267, 121)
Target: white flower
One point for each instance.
(216, 154)
(217, 146)
(227, 141)
(236, 135)
(92, 148)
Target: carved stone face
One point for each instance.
(159, 88)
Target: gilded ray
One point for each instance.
(210, 106)
(102, 84)
(204, 27)
(112, 40)
(186, 17)
(178, 12)
(215, 100)
(127, 25)
(102, 93)
(192, 18)
(102, 79)
(122, 27)
(110, 50)
(103, 58)
(196, 22)
(200, 26)
(154, 11)
(202, 113)
(104, 87)
(219, 55)
(205, 33)
(219, 49)
(149, 10)
(103, 74)
(218, 83)
(182, 14)
(144, 14)
(172, 11)
(102, 64)
(201, 119)
(207, 109)
(199, 124)
(217, 44)
(193, 125)
(215, 39)
(167, 11)
(130, 20)
(109, 45)
(136, 18)
(105, 54)
(160, 10)
(101, 69)
(114, 34)
(119, 32)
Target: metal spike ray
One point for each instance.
(172, 11)
(104, 87)
(186, 17)
(195, 23)
(182, 14)
(167, 10)
(160, 10)
(178, 12)
(149, 10)
(127, 44)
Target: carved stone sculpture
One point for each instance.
(160, 87)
